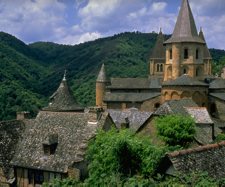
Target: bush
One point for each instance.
(176, 130)
(122, 155)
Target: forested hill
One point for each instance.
(29, 74)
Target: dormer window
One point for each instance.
(50, 144)
(186, 55)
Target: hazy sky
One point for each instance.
(76, 21)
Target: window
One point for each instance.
(197, 54)
(184, 71)
(158, 68)
(186, 54)
(35, 177)
(171, 54)
(161, 68)
(49, 149)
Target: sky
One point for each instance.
(77, 21)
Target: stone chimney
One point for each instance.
(22, 115)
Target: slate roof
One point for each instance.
(206, 53)
(200, 115)
(135, 83)
(209, 158)
(184, 80)
(11, 132)
(218, 83)
(175, 107)
(102, 75)
(159, 50)
(220, 96)
(73, 131)
(63, 99)
(135, 117)
(185, 28)
(130, 97)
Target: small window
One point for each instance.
(186, 54)
(157, 105)
(197, 54)
(171, 54)
(158, 69)
(49, 149)
(184, 71)
(161, 68)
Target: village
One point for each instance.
(53, 145)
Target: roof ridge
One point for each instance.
(196, 149)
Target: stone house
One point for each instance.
(52, 145)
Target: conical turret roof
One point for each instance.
(63, 99)
(206, 53)
(185, 28)
(102, 75)
(159, 50)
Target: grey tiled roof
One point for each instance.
(63, 99)
(136, 118)
(200, 115)
(175, 107)
(185, 28)
(11, 132)
(130, 97)
(218, 83)
(209, 158)
(159, 50)
(135, 83)
(73, 130)
(220, 96)
(184, 80)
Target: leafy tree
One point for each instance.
(175, 129)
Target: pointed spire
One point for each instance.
(102, 74)
(158, 51)
(206, 53)
(63, 99)
(185, 28)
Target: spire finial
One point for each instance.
(64, 76)
(201, 29)
(160, 29)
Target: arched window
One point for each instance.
(157, 105)
(171, 54)
(197, 54)
(186, 55)
(184, 71)
(161, 67)
(158, 68)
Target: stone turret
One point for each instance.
(63, 99)
(157, 58)
(185, 48)
(101, 84)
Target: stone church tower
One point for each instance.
(185, 50)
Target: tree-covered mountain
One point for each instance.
(29, 74)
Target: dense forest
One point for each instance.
(29, 74)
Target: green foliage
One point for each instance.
(117, 156)
(63, 183)
(176, 130)
(200, 179)
(220, 137)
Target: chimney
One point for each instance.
(22, 115)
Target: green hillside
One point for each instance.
(29, 74)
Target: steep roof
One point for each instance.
(159, 50)
(130, 97)
(135, 117)
(208, 158)
(185, 28)
(11, 132)
(200, 115)
(102, 75)
(72, 130)
(135, 83)
(184, 80)
(206, 53)
(218, 83)
(63, 99)
(175, 107)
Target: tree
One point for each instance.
(176, 130)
